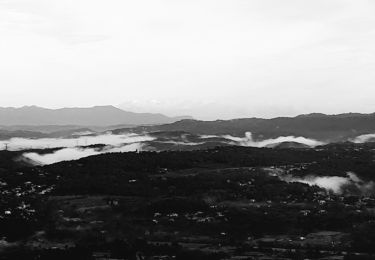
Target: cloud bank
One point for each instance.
(364, 138)
(75, 153)
(76, 148)
(16, 144)
(249, 141)
(335, 184)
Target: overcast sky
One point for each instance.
(207, 58)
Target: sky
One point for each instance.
(209, 59)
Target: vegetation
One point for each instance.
(206, 204)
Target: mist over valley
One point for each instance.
(240, 179)
(187, 130)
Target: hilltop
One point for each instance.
(88, 116)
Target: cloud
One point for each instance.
(65, 154)
(249, 141)
(75, 153)
(76, 148)
(15, 144)
(336, 184)
(364, 138)
(333, 183)
(181, 143)
(226, 54)
(55, 20)
(126, 148)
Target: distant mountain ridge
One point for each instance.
(89, 116)
(330, 128)
(33, 121)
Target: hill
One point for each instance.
(330, 128)
(90, 116)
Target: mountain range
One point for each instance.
(37, 122)
(90, 116)
(330, 128)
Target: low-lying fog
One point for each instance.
(72, 148)
(249, 141)
(75, 147)
(336, 184)
(75, 153)
(364, 138)
(17, 144)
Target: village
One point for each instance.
(213, 211)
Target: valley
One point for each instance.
(220, 203)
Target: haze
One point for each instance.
(209, 59)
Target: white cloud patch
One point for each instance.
(75, 148)
(75, 153)
(65, 154)
(364, 138)
(332, 183)
(335, 184)
(181, 143)
(249, 141)
(16, 144)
